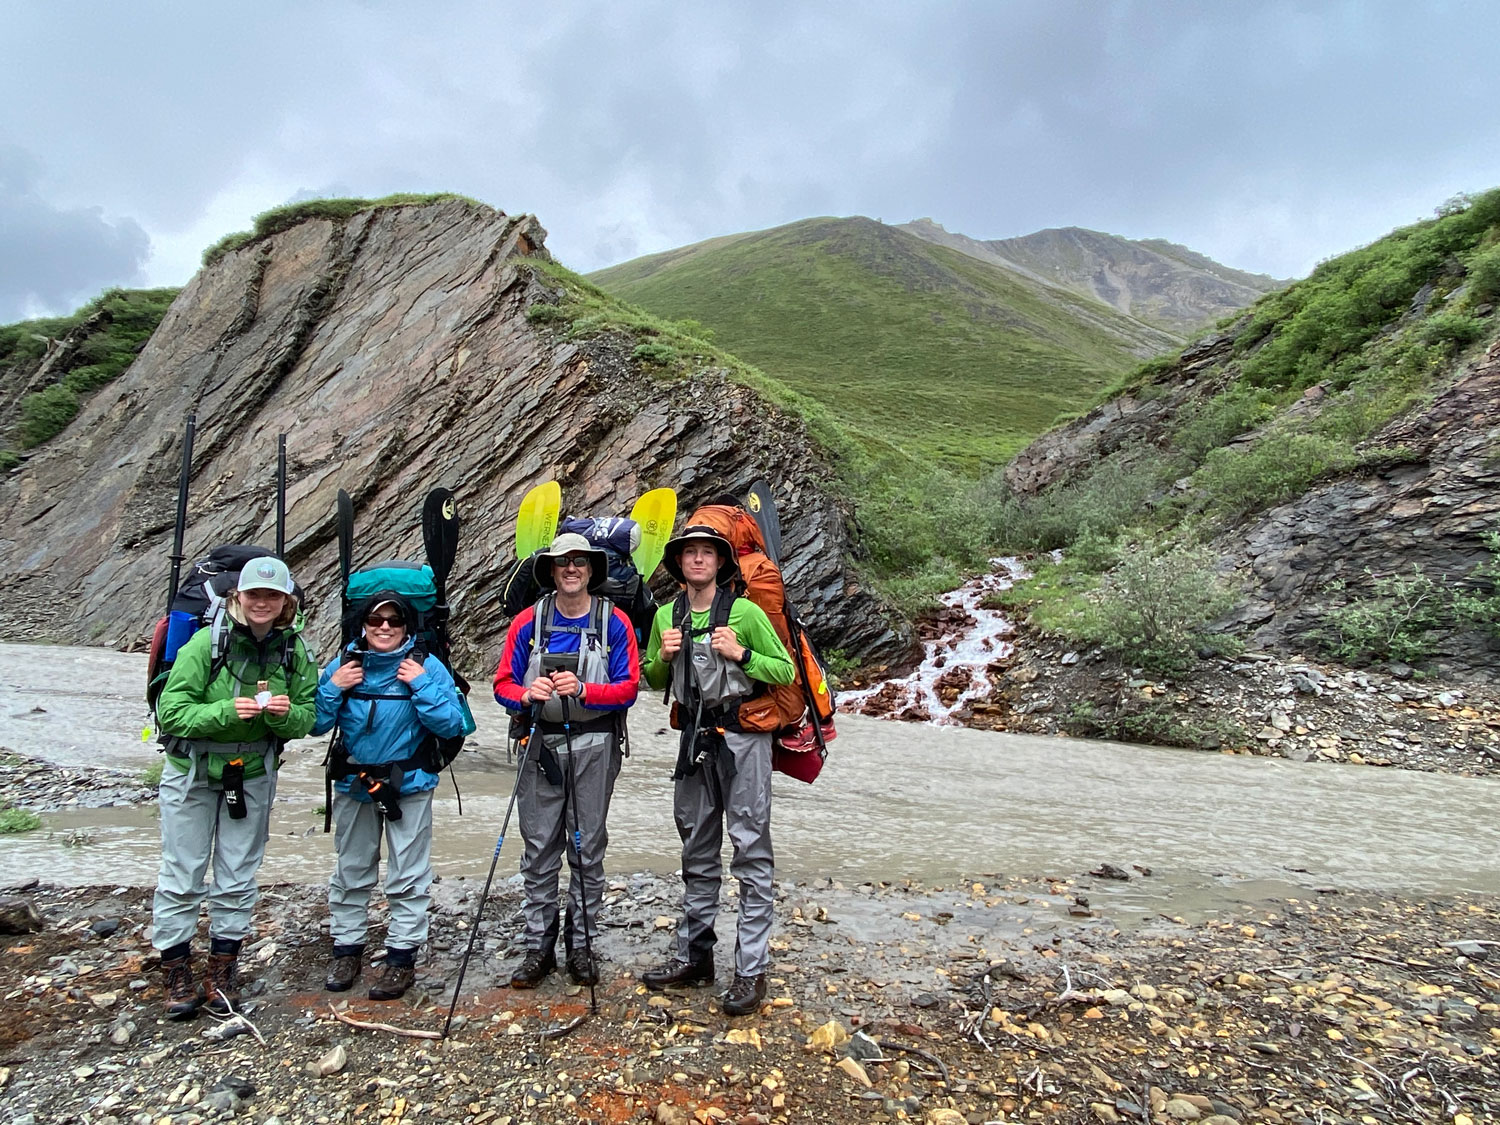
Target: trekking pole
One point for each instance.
(583, 886)
(182, 497)
(536, 714)
(281, 495)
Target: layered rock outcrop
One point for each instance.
(395, 352)
(1426, 505)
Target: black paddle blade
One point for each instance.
(346, 539)
(440, 536)
(758, 503)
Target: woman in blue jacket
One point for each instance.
(388, 702)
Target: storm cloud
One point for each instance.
(53, 258)
(1267, 134)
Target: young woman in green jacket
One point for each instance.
(229, 705)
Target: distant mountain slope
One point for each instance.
(1337, 446)
(908, 343)
(1153, 280)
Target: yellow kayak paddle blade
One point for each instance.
(656, 511)
(536, 523)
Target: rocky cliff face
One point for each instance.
(1158, 282)
(1426, 506)
(395, 352)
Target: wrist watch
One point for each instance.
(745, 656)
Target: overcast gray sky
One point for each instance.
(1268, 135)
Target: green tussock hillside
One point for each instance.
(98, 342)
(908, 344)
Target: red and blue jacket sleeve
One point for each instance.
(510, 676)
(624, 668)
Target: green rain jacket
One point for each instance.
(197, 711)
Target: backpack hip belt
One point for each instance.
(595, 722)
(196, 747)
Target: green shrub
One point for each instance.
(1094, 551)
(696, 329)
(46, 413)
(1392, 625)
(653, 351)
(151, 775)
(543, 313)
(1208, 425)
(1155, 722)
(1155, 606)
(18, 820)
(1484, 276)
(1114, 494)
(83, 380)
(1453, 331)
(1476, 603)
(1281, 465)
(9, 459)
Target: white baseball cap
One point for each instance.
(266, 573)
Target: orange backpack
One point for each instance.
(796, 750)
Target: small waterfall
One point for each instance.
(956, 664)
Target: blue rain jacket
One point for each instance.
(429, 703)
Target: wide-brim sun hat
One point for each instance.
(266, 573)
(700, 533)
(571, 543)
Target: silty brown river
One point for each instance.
(896, 801)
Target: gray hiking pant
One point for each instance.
(701, 803)
(195, 826)
(547, 825)
(358, 827)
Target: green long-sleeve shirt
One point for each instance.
(769, 661)
(192, 707)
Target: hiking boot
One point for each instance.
(745, 995)
(343, 971)
(583, 967)
(394, 981)
(183, 994)
(223, 982)
(679, 971)
(530, 973)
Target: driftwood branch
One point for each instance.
(368, 1025)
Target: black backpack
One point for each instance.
(616, 536)
(200, 603)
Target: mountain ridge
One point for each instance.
(1160, 282)
(916, 344)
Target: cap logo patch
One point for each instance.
(266, 570)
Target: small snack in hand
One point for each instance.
(262, 692)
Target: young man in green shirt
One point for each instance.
(718, 650)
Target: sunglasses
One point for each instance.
(577, 562)
(376, 620)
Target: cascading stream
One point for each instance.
(956, 665)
